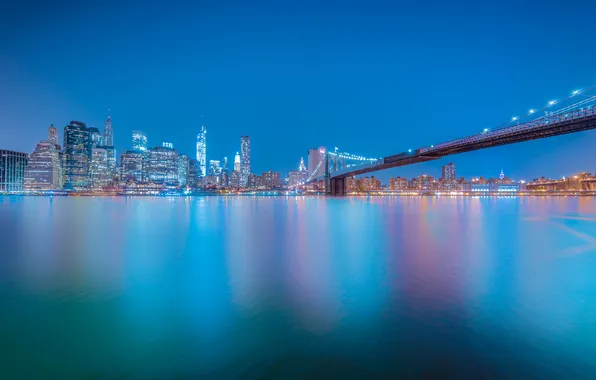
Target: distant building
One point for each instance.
(139, 141)
(183, 164)
(237, 162)
(162, 165)
(167, 145)
(132, 166)
(12, 171)
(254, 181)
(297, 178)
(44, 168)
(108, 133)
(244, 160)
(234, 182)
(316, 162)
(368, 184)
(214, 168)
(53, 136)
(77, 156)
(99, 169)
(193, 171)
(202, 152)
(449, 172)
(398, 183)
(352, 185)
(423, 182)
(270, 180)
(96, 137)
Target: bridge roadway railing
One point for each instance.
(536, 124)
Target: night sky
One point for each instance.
(373, 78)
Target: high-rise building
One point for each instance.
(237, 162)
(301, 167)
(12, 171)
(214, 168)
(449, 172)
(254, 181)
(139, 141)
(108, 133)
(53, 135)
(244, 160)
(132, 165)
(224, 167)
(270, 180)
(316, 162)
(77, 156)
(44, 168)
(183, 169)
(297, 178)
(398, 183)
(502, 175)
(234, 182)
(162, 165)
(193, 168)
(96, 138)
(202, 152)
(99, 169)
(167, 145)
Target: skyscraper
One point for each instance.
(139, 141)
(96, 138)
(214, 168)
(77, 156)
(202, 152)
(183, 169)
(193, 167)
(132, 166)
(53, 135)
(502, 175)
(301, 167)
(244, 160)
(449, 172)
(162, 165)
(12, 171)
(237, 162)
(99, 169)
(108, 133)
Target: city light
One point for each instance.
(575, 92)
(532, 111)
(552, 102)
(514, 118)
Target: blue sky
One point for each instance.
(373, 78)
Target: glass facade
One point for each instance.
(99, 169)
(77, 156)
(44, 169)
(139, 141)
(12, 171)
(202, 152)
(244, 160)
(162, 165)
(132, 166)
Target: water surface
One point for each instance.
(297, 287)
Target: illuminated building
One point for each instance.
(132, 166)
(244, 160)
(297, 178)
(193, 168)
(108, 134)
(270, 180)
(139, 141)
(371, 183)
(44, 167)
(214, 168)
(502, 175)
(254, 181)
(96, 138)
(316, 162)
(352, 184)
(234, 179)
(301, 167)
(12, 171)
(398, 183)
(449, 172)
(162, 165)
(183, 164)
(167, 145)
(77, 156)
(423, 182)
(202, 152)
(237, 162)
(99, 169)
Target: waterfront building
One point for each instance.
(44, 167)
(316, 162)
(244, 160)
(398, 183)
(423, 182)
(237, 162)
(139, 141)
(193, 169)
(368, 184)
(301, 166)
(162, 165)
(99, 169)
(297, 178)
(234, 182)
(12, 171)
(214, 168)
(254, 181)
(449, 174)
(132, 166)
(77, 156)
(202, 152)
(352, 184)
(183, 164)
(270, 180)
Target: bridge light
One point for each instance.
(409, 150)
(532, 111)
(514, 118)
(552, 102)
(432, 146)
(485, 130)
(575, 92)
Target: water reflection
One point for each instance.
(280, 286)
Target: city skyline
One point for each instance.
(322, 87)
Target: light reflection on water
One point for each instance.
(297, 286)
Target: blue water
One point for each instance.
(297, 287)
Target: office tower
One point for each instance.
(234, 181)
(214, 168)
(316, 162)
(225, 165)
(202, 152)
(44, 167)
(12, 171)
(76, 156)
(132, 164)
(254, 181)
(502, 175)
(449, 172)
(162, 165)
(270, 180)
(139, 141)
(299, 177)
(237, 162)
(193, 167)
(53, 136)
(244, 160)
(99, 169)
(183, 169)
(96, 138)
(167, 145)
(108, 133)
